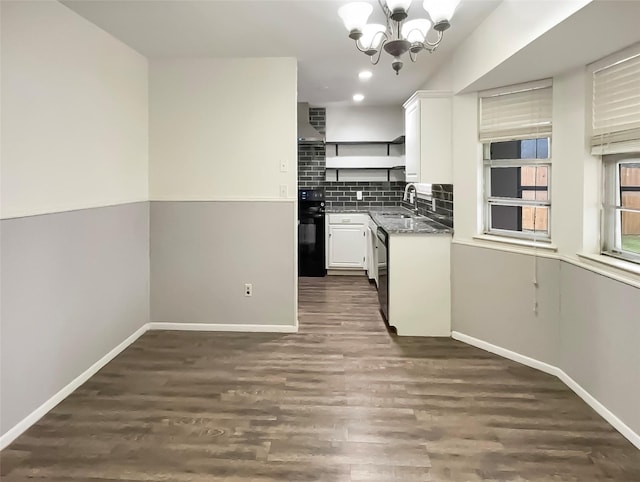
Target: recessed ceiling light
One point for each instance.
(365, 75)
(358, 97)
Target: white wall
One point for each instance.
(219, 128)
(74, 281)
(568, 151)
(364, 123)
(74, 113)
(467, 170)
(513, 25)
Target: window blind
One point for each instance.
(516, 112)
(616, 107)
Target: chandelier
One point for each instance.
(398, 36)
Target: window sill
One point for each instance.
(620, 264)
(513, 242)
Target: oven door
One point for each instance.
(383, 272)
(311, 249)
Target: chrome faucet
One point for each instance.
(415, 195)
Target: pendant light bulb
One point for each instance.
(355, 15)
(441, 11)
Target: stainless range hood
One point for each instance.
(307, 134)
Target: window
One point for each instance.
(621, 207)
(616, 137)
(515, 129)
(517, 180)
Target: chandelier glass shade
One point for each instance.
(399, 35)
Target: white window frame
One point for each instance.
(515, 113)
(518, 202)
(611, 225)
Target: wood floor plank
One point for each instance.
(342, 400)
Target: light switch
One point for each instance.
(359, 195)
(283, 190)
(283, 166)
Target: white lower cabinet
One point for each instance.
(346, 241)
(347, 247)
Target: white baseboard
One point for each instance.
(42, 410)
(161, 325)
(603, 411)
(503, 352)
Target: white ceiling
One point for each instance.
(310, 30)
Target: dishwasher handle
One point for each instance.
(382, 235)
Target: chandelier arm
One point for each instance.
(365, 50)
(376, 58)
(431, 46)
(384, 40)
(359, 47)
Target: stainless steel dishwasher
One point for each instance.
(383, 272)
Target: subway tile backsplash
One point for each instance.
(443, 197)
(343, 194)
(311, 165)
(374, 194)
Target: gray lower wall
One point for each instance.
(202, 254)
(493, 297)
(600, 339)
(588, 325)
(74, 286)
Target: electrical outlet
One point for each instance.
(283, 190)
(359, 195)
(283, 166)
(248, 289)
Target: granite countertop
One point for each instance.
(413, 225)
(368, 210)
(388, 218)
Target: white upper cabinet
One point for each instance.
(412, 142)
(428, 137)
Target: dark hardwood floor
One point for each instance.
(342, 400)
